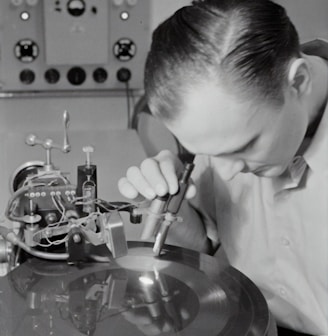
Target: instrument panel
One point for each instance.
(56, 45)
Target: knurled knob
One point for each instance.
(31, 140)
(88, 150)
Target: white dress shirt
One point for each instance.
(276, 230)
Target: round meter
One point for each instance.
(76, 7)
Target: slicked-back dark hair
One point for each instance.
(245, 45)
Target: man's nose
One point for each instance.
(228, 168)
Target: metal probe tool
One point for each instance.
(172, 207)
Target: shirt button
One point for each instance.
(282, 291)
(285, 241)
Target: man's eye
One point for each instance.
(247, 147)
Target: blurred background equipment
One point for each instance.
(73, 45)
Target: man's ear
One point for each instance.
(299, 77)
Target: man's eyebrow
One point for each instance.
(246, 146)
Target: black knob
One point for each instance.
(27, 76)
(76, 76)
(123, 75)
(52, 76)
(100, 75)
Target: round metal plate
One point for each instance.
(179, 293)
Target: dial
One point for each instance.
(125, 49)
(76, 7)
(17, 2)
(27, 76)
(26, 50)
(76, 76)
(123, 75)
(32, 2)
(100, 75)
(52, 76)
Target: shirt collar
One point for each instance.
(292, 177)
(316, 155)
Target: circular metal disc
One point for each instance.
(180, 293)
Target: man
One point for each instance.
(230, 80)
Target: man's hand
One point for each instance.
(156, 176)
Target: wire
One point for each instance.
(45, 236)
(128, 91)
(43, 255)
(57, 242)
(12, 238)
(103, 207)
(13, 202)
(44, 174)
(59, 205)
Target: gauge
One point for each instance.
(76, 7)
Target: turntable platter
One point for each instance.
(180, 293)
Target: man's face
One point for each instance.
(245, 137)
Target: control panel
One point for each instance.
(54, 45)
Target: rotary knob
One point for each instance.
(124, 75)
(27, 76)
(52, 76)
(76, 76)
(88, 150)
(100, 75)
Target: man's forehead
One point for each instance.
(210, 102)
